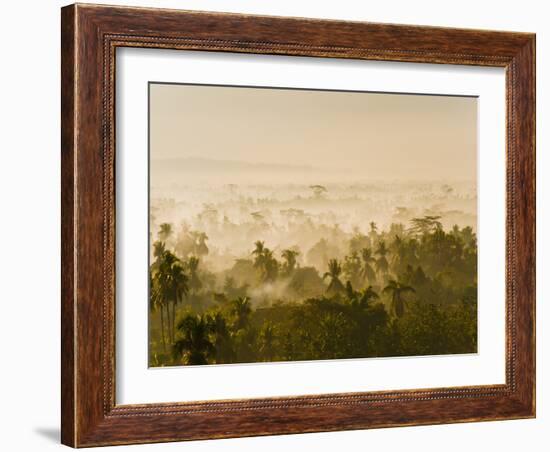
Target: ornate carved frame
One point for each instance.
(90, 36)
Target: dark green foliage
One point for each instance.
(289, 257)
(306, 282)
(403, 292)
(193, 345)
(397, 291)
(429, 330)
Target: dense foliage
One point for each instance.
(401, 292)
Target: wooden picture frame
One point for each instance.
(90, 35)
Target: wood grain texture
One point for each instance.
(90, 36)
(68, 332)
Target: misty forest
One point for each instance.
(300, 271)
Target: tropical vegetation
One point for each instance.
(410, 290)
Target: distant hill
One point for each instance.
(205, 165)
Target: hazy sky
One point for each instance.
(380, 136)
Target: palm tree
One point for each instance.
(267, 265)
(365, 297)
(468, 236)
(456, 231)
(201, 248)
(373, 233)
(352, 267)
(399, 251)
(223, 346)
(270, 266)
(290, 260)
(368, 261)
(160, 293)
(193, 345)
(397, 290)
(241, 310)
(382, 263)
(259, 248)
(173, 285)
(179, 288)
(156, 302)
(334, 271)
(258, 253)
(158, 249)
(318, 190)
(195, 283)
(165, 231)
(350, 293)
(267, 341)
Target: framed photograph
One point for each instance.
(281, 225)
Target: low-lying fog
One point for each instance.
(297, 213)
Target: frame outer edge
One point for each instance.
(86, 420)
(534, 226)
(68, 242)
(525, 62)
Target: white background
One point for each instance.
(138, 384)
(29, 331)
